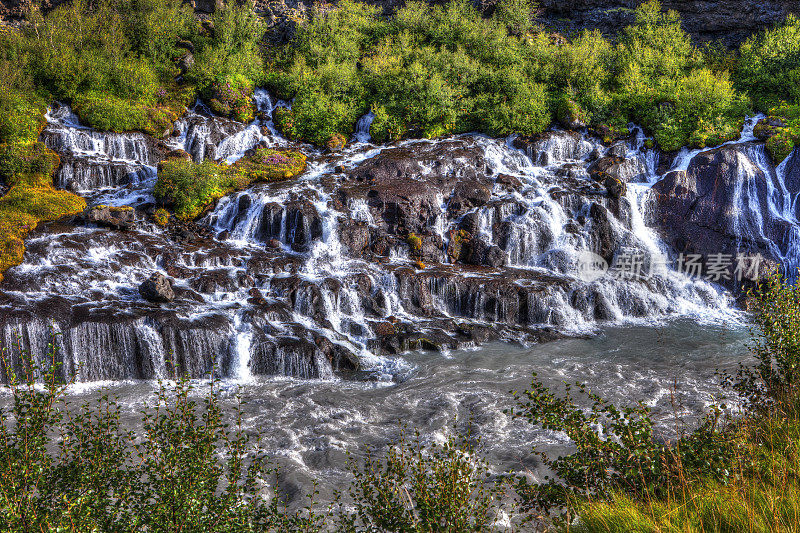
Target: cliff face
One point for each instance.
(730, 21)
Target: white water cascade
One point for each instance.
(423, 244)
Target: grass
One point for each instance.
(191, 188)
(763, 494)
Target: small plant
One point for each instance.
(414, 241)
(161, 217)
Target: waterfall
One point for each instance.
(363, 125)
(371, 252)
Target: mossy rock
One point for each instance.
(21, 210)
(161, 217)
(233, 97)
(191, 188)
(267, 164)
(414, 241)
(781, 145)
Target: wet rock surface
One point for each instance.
(730, 201)
(374, 251)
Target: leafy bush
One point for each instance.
(228, 54)
(436, 70)
(66, 467)
(421, 488)
(24, 164)
(28, 169)
(233, 97)
(617, 450)
(773, 384)
(769, 68)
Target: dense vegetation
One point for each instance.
(189, 188)
(432, 70)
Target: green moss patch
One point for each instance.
(27, 164)
(31, 199)
(780, 131)
(233, 97)
(107, 112)
(191, 188)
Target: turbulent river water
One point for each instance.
(309, 426)
(416, 282)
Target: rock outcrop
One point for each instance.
(724, 203)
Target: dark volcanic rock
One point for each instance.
(404, 187)
(719, 205)
(732, 21)
(157, 288)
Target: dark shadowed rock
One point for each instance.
(157, 288)
(719, 205)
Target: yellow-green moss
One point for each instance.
(23, 207)
(192, 188)
(161, 217)
(414, 241)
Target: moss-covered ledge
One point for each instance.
(27, 169)
(191, 188)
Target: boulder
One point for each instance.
(111, 216)
(622, 168)
(157, 288)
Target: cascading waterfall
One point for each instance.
(371, 252)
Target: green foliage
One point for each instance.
(161, 217)
(769, 68)
(76, 468)
(421, 488)
(233, 97)
(617, 450)
(773, 384)
(664, 86)
(24, 164)
(190, 188)
(516, 15)
(228, 54)
(436, 70)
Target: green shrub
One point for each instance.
(769, 68)
(25, 164)
(110, 113)
(419, 488)
(516, 15)
(188, 467)
(230, 51)
(233, 97)
(617, 450)
(773, 384)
